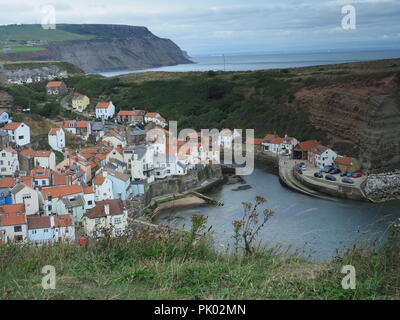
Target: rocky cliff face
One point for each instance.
(108, 48)
(360, 117)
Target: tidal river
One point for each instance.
(320, 229)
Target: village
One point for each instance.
(86, 194)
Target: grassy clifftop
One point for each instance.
(162, 266)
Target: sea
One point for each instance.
(265, 61)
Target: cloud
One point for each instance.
(234, 25)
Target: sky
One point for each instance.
(232, 26)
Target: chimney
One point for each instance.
(107, 209)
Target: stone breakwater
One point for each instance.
(383, 186)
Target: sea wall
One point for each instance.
(181, 184)
(339, 191)
(383, 187)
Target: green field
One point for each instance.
(21, 48)
(36, 32)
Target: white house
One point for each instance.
(107, 216)
(105, 110)
(4, 117)
(9, 163)
(56, 139)
(63, 227)
(141, 164)
(102, 186)
(51, 197)
(280, 145)
(115, 140)
(322, 156)
(19, 133)
(41, 177)
(89, 196)
(13, 225)
(45, 159)
(23, 194)
(168, 165)
(155, 118)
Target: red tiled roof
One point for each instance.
(7, 182)
(320, 149)
(54, 84)
(27, 180)
(151, 115)
(99, 180)
(59, 179)
(308, 145)
(63, 220)
(12, 214)
(88, 190)
(125, 113)
(82, 124)
(12, 126)
(100, 156)
(42, 154)
(40, 173)
(102, 105)
(98, 211)
(53, 131)
(344, 160)
(277, 141)
(38, 222)
(27, 153)
(138, 113)
(56, 192)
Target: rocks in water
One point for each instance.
(234, 179)
(241, 188)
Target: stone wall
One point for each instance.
(183, 183)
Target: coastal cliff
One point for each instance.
(100, 47)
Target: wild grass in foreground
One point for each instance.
(163, 266)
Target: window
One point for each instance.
(97, 221)
(46, 230)
(117, 220)
(20, 137)
(17, 228)
(18, 238)
(26, 196)
(90, 202)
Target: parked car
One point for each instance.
(348, 180)
(318, 175)
(343, 174)
(330, 177)
(335, 171)
(349, 174)
(357, 175)
(326, 169)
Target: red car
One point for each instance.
(357, 175)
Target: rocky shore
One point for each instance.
(383, 187)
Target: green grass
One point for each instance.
(24, 48)
(161, 266)
(36, 32)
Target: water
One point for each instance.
(251, 62)
(315, 226)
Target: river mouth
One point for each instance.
(319, 229)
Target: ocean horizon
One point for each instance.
(266, 61)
